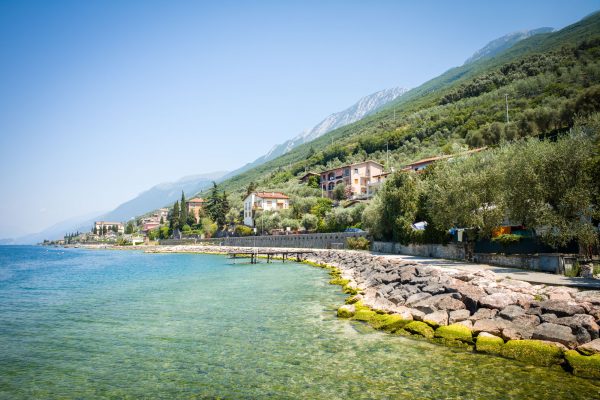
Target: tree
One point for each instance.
(95, 230)
(183, 213)
(393, 210)
(130, 227)
(313, 182)
(174, 222)
(338, 219)
(309, 222)
(104, 230)
(163, 232)
(339, 192)
(162, 220)
(321, 207)
(251, 188)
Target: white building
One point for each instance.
(110, 227)
(264, 201)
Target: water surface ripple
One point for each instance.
(111, 324)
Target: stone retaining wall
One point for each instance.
(450, 251)
(309, 241)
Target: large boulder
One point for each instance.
(534, 352)
(511, 312)
(561, 308)
(416, 298)
(458, 315)
(555, 333)
(488, 343)
(590, 348)
(437, 318)
(470, 294)
(589, 296)
(581, 320)
(498, 301)
(483, 313)
(493, 326)
(346, 311)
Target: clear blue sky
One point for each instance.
(100, 100)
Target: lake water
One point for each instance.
(122, 324)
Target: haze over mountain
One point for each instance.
(163, 194)
(496, 46)
(365, 106)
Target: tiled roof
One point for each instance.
(196, 200)
(271, 195)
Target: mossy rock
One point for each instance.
(352, 299)
(388, 322)
(419, 328)
(455, 332)
(349, 290)
(339, 281)
(364, 315)
(360, 306)
(533, 352)
(584, 366)
(346, 311)
(489, 344)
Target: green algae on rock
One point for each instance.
(419, 328)
(584, 366)
(488, 343)
(388, 322)
(364, 315)
(534, 352)
(455, 332)
(346, 311)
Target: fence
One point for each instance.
(308, 241)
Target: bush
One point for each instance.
(359, 243)
(309, 222)
(507, 239)
(242, 230)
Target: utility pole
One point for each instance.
(506, 98)
(387, 150)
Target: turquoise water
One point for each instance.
(119, 324)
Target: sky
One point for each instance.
(101, 100)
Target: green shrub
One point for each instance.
(507, 239)
(358, 243)
(243, 230)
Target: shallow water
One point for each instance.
(120, 324)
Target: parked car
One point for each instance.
(353, 230)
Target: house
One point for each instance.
(110, 227)
(195, 206)
(306, 177)
(265, 201)
(420, 165)
(376, 182)
(150, 225)
(355, 176)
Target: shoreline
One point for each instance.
(478, 311)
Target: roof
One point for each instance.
(196, 200)
(382, 174)
(271, 195)
(309, 174)
(351, 165)
(431, 159)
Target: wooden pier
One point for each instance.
(255, 254)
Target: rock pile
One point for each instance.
(495, 310)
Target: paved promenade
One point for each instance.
(513, 273)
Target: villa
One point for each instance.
(195, 206)
(355, 176)
(99, 227)
(264, 201)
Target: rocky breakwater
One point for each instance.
(537, 324)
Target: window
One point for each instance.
(356, 181)
(356, 170)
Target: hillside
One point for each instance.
(549, 79)
(365, 106)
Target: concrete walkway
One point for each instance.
(512, 273)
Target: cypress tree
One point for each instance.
(183, 211)
(175, 216)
